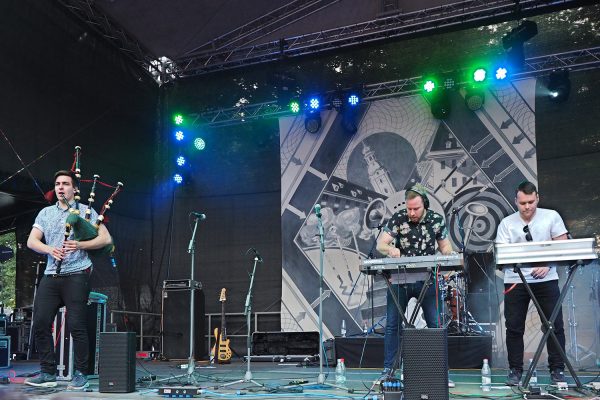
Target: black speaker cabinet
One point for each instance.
(4, 351)
(176, 325)
(425, 356)
(285, 343)
(360, 352)
(117, 362)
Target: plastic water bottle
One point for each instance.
(486, 376)
(343, 329)
(340, 372)
(533, 381)
(365, 328)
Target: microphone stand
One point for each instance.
(248, 314)
(192, 250)
(321, 377)
(372, 283)
(462, 326)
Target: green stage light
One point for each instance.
(178, 119)
(479, 75)
(429, 86)
(295, 106)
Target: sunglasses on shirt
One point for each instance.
(527, 233)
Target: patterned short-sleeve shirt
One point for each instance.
(416, 239)
(51, 221)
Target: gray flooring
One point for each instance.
(277, 380)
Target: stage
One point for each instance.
(280, 380)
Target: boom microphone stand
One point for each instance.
(192, 250)
(321, 378)
(248, 314)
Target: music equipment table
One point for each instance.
(449, 262)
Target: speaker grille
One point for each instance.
(176, 324)
(117, 362)
(425, 357)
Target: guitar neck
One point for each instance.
(223, 330)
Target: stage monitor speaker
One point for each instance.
(360, 352)
(285, 343)
(425, 357)
(117, 362)
(176, 325)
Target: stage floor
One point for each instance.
(279, 380)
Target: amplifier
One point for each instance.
(181, 284)
(4, 351)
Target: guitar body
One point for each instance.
(223, 349)
(224, 353)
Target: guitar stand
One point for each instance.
(548, 324)
(248, 312)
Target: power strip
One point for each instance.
(180, 392)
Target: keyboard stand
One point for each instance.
(548, 324)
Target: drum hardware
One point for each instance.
(574, 348)
(475, 210)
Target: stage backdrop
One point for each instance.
(470, 162)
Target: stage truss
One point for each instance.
(226, 51)
(576, 60)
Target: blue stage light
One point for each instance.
(179, 136)
(178, 179)
(353, 99)
(181, 161)
(314, 103)
(501, 73)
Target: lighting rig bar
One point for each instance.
(260, 27)
(86, 11)
(577, 60)
(460, 14)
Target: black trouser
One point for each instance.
(53, 292)
(516, 303)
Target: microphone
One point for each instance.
(198, 215)
(318, 210)
(256, 254)
(455, 210)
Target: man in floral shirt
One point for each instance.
(413, 231)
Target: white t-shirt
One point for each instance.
(545, 225)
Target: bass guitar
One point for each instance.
(223, 350)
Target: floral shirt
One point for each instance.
(416, 239)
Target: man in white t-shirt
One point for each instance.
(531, 223)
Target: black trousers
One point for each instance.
(71, 291)
(516, 303)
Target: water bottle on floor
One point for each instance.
(486, 376)
(340, 372)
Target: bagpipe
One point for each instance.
(82, 227)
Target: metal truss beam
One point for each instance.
(450, 16)
(260, 27)
(576, 60)
(116, 35)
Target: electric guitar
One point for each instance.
(223, 352)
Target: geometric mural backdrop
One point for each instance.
(470, 163)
